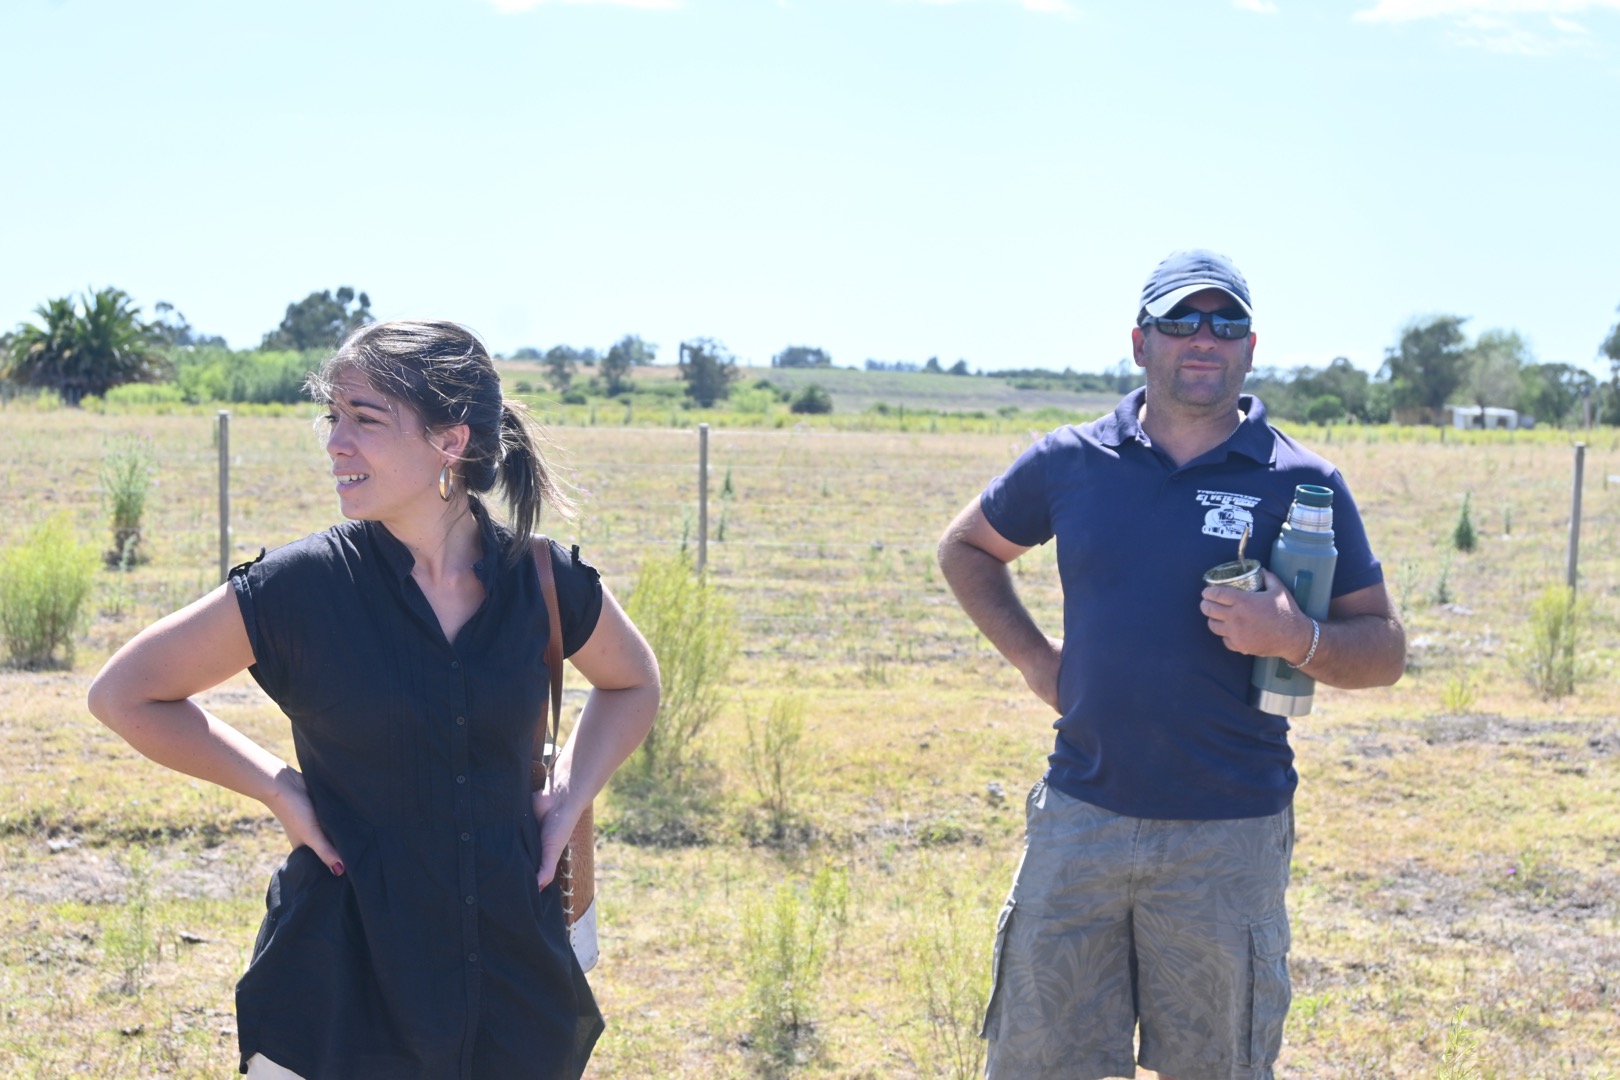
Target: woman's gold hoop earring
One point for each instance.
(447, 482)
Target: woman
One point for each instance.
(414, 930)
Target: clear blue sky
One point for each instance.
(979, 179)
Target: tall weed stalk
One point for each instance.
(1549, 656)
(1406, 586)
(1442, 587)
(775, 759)
(1459, 1058)
(946, 976)
(1458, 695)
(128, 941)
(787, 940)
(126, 478)
(44, 583)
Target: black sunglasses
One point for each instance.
(1186, 324)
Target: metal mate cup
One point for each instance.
(1239, 574)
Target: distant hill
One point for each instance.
(856, 391)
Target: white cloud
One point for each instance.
(1259, 7)
(1519, 27)
(1043, 7)
(509, 7)
(1495, 34)
(1408, 10)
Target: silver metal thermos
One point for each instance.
(1304, 557)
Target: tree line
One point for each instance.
(88, 344)
(1434, 365)
(562, 363)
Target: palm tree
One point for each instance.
(37, 356)
(77, 354)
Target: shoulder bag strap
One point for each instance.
(549, 729)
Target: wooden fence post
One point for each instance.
(703, 497)
(224, 494)
(1575, 515)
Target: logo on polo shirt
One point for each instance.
(1228, 514)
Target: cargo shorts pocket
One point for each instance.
(1269, 993)
(992, 1008)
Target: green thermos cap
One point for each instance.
(1313, 495)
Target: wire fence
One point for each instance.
(822, 541)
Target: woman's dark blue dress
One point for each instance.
(435, 955)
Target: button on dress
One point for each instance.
(435, 955)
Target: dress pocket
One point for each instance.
(288, 885)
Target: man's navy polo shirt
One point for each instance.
(1155, 716)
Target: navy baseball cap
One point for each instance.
(1183, 273)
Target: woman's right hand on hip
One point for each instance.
(292, 806)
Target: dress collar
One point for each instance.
(399, 560)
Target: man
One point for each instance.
(1157, 847)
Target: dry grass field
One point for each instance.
(1456, 891)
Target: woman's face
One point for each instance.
(385, 461)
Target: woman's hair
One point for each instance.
(444, 373)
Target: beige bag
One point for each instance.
(576, 871)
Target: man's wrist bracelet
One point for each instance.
(1316, 639)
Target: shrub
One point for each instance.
(1325, 409)
(43, 587)
(781, 394)
(753, 400)
(30, 399)
(785, 946)
(1548, 656)
(812, 399)
(126, 476)
(664, 787)
(1463, 537)
(1457, 696)
(263, 377)
(143, 394)
(775, 758)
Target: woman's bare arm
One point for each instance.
(623, 674)
(144, 694)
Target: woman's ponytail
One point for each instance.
(528, 484)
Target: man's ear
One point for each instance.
(1138, 344)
